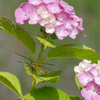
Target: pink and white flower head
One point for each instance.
(89, 76)
(82, 66)
(50, 14)
(91, 91)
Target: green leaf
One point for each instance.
(78, 45)
(73, 51)
(11, 82)
(52, 77)
(75, 98)
(13, 29)
(78, 83)
(46, 93)
(54, 73)
(45, 42)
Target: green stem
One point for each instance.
(33, 85)
(42, 49)
(41, 53)
(39, 60)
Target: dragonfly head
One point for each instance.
(30, 62)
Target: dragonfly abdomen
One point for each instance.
(35, 65)
(41, 69)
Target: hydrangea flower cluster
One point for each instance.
(55, 15)
(89, 76)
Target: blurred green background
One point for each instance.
(88, 9)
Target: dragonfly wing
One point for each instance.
(46, 63)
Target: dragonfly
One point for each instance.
(35, 64)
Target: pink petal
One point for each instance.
(22, 13)
(61, 32)
(21, 16)
(43, 22)
(35, 2)
(95, 96)
(73, 32)
(94, 71)
(34, 18)
(86, 94)
(78, 69)
(28, 8)
(67, 7)
(63, 15)
(53, 8)
(97, 79)
(85, 77)
(67, 23)
(50, 28)
(49, 1)
(91, 91)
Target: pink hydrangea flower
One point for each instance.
(85, 77)
(63, 15)
(54, 8)
(66, 7)
(22, 13)
(91, 91)
(50, 14)
(34, 18)
(61, 32)
(73, 32)
(89, 76)
(50, 28)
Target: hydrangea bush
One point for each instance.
(57, 20)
